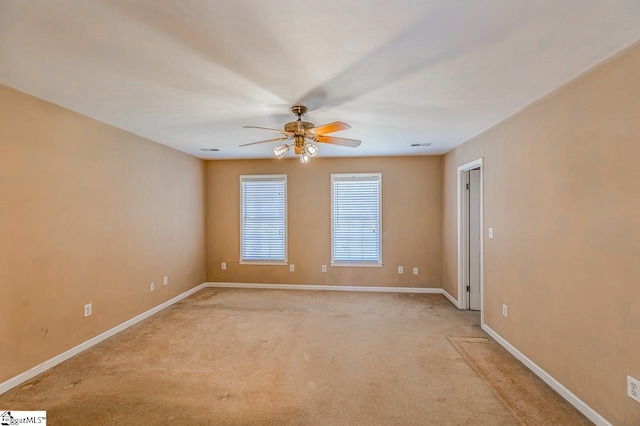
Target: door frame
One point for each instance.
(463, 240)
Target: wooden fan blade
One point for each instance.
(268, 140)
(338, 141)
(267, 128)
(330, 128)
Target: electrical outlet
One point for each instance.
(152, 286)
(505, 310)
(400, 270)
(292, 267)
(224, 265)
(87, 310)
(166, 280)
(490, 232)
(324, 268)
(415, 271)
(633, 388)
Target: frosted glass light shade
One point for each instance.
(281, 151)
(304, 158)
(311, 149)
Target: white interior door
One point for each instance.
(474, 240)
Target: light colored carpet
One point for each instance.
(530, 400)
(277, 357)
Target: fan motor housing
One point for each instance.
(298, 126)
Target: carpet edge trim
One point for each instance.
(425, 290)
(52, 362)
(580, 405)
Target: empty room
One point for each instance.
(320, 213)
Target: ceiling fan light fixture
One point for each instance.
(311, 149)
(281, 151)
(303, 133)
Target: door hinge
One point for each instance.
(468, 187)
(468, 289)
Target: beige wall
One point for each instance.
(562, 194)
(411, 221)
(88, 213)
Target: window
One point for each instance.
(356, 219)
(263, 219)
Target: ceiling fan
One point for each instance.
(302, 132)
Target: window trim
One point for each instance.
(354, 263)
(272, 177)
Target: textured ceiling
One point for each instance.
(190, 74)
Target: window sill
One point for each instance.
(358, 264)
(263, 262)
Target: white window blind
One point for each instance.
(263, 219)
(356, 219)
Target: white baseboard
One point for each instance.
(446, 294)
(589, 412)
(327, 287)
(31, 373)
